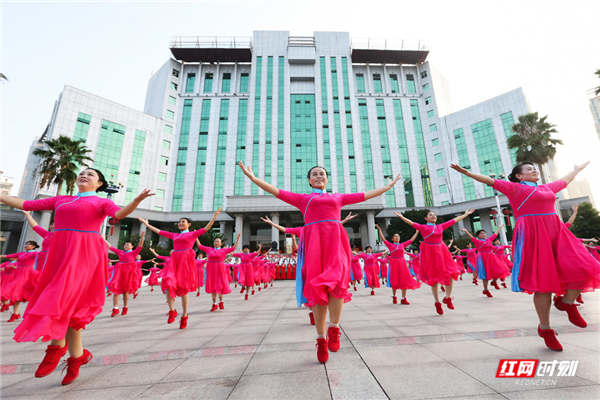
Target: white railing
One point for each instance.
(388, 44)
(302, 41)
(211, 42)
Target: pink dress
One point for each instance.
(436, 263)
(126, 277)
(217, 280)
(47, 236)
(8, 275)
(488, 265)
(180, 275)
(152, 279)
(140, 274)
(70, 290)
(246, 277)
(327, 247)
(300, 270)
(399, 277)
(415, 264)
(548, 258)
(471, 258)
(594, 252)
(356, 273)
(25, 277)
(256, 267)
(499, 252)
(200, 266)
(371, 269)
(383, 267)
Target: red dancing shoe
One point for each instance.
(438, 308)
(124, 312)
(51, 360)
(495, 285)
(448, 302)
(172, 315)
(504, 285)
(214, 307)
(197, 294)
(355, 288)
(404, 301)
(372, 293)
(6, 307)
(266, 285)
(242, 291)
(108, 294)
(246, 297)
(487, 293)
(271, 285)
(221, 305)
(183, 323)
(259, 288)
(475, 282)
(235, 285)
(311, 317)
(549, 336)
(460, 277)
(579, 299)
(394, 300)
(571, 310)
(152, 290)
(322, 353)
(73, 365)
(252, 292)
(443, 288)
(135, 295)
(115, 311)
(333, 339)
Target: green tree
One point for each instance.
(61, 160)
(587, 223)
(597, 92)
(406, 232)
(3, 77)
(533, 140)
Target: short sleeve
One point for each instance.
(137, 250)
(41, 204)
(238, 255)
(229, 250)
(556, 186)
(294, 231)
(293, 199)
(406, 244)
(352, 198)
(41, 231)
(164, 258)
(166, 234)
(493, 237)
(448, 224)
(205, 249)
(110, 208)
(510, 189)
(199, 232)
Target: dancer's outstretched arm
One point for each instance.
(465, 215)
(267, 187)
(129, 208)
(575, 208)
(571, 175)
(273, 224)
(379, 191)
(478, 177)
(380, 233)
(212, 221)
(467, 232)
(499, 229)
(152, 228)
(348, 218)
(403, 218)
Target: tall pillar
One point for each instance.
(239, 229)
(45, 221)
(274, 231)
(371, 228)
(486, 224)
(388, 221)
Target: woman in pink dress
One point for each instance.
(70, 290)
(45, 234)
(180, 275)
(217, 281)
(547, 257)
(152, 279)
(436, 264)
(246, 277)
(25, 278)
(125, 276)
(7, 277)
(489, 267)
(471, 260)
(415, 263)
(371, 268)
(327, 249)
(383, 268)
(200, 264)
(356, 273)
(398, 276)
(500, 252)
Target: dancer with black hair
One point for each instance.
(471, 253)
(180, 274)
(327, 266)
(548, 258)
(24, 280)
(200, 264)
(6, 276)
(70, 289)
(436, 263)
(46, 236)
(371, 267)
(246, 269)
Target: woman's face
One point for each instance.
(482, 235)
(369, 250)
(217, 243)
(183, 224)
(528, 174)
(469, 245)
(396, 238)
(431, 217)
(497, 242)
(246, 250)
(88, 181)
(128, 246)
(28, 246)
(318, 178)
(51, 227)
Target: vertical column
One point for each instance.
(46, 217)
(486, 224)
(239, 229)
(371, 228)
(274, 231)
(388, 221)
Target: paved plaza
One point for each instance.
(264, 348)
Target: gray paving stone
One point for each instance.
(309, 385)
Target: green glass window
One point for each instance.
(433, 128)
(172, 100)
(221, 148)
(189, 85)
(325, 114)
(244, 80)
(170, 114)
(166, 144)
(386, 158)
(160, 194)
(303, 139)
(169, 129)
(82, 127)
(394, 83)
(280, 123)
(443, 189)
(349, 129)
(162, 177)
(404, 158)
(164, 160)
(377, 83)
(337, 124)
(487, 151)
(440, 173)
(158, 208)
(182, 154)
(424, 167)
(430, 114)
(437, 157)
(366, 144)
(445, 203)
(108, 152)
(208, 81)
(256, 123)
(463, 159)
(410, 81)
(435, 142)
(201, 156)
(360, 83)
(427, 101)
(173, 86)
(176, 73)
(240, 153)
(426, 87)
(226, 85)
(269, 123)
(136, 166)
(507, 122)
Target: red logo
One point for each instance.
(517, 368)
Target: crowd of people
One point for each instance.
(65, 284)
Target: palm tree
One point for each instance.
(598, 88)
(3, 77)
(533, 140)
(61, 160)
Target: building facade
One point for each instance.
(365, 110)
(595, 109)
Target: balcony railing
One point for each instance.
(301, 41)
(388, 44)
(211, 42)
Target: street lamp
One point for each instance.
(502, 232)
(113, 188)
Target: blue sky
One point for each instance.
(483, 49)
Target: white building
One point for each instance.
(595, 109)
